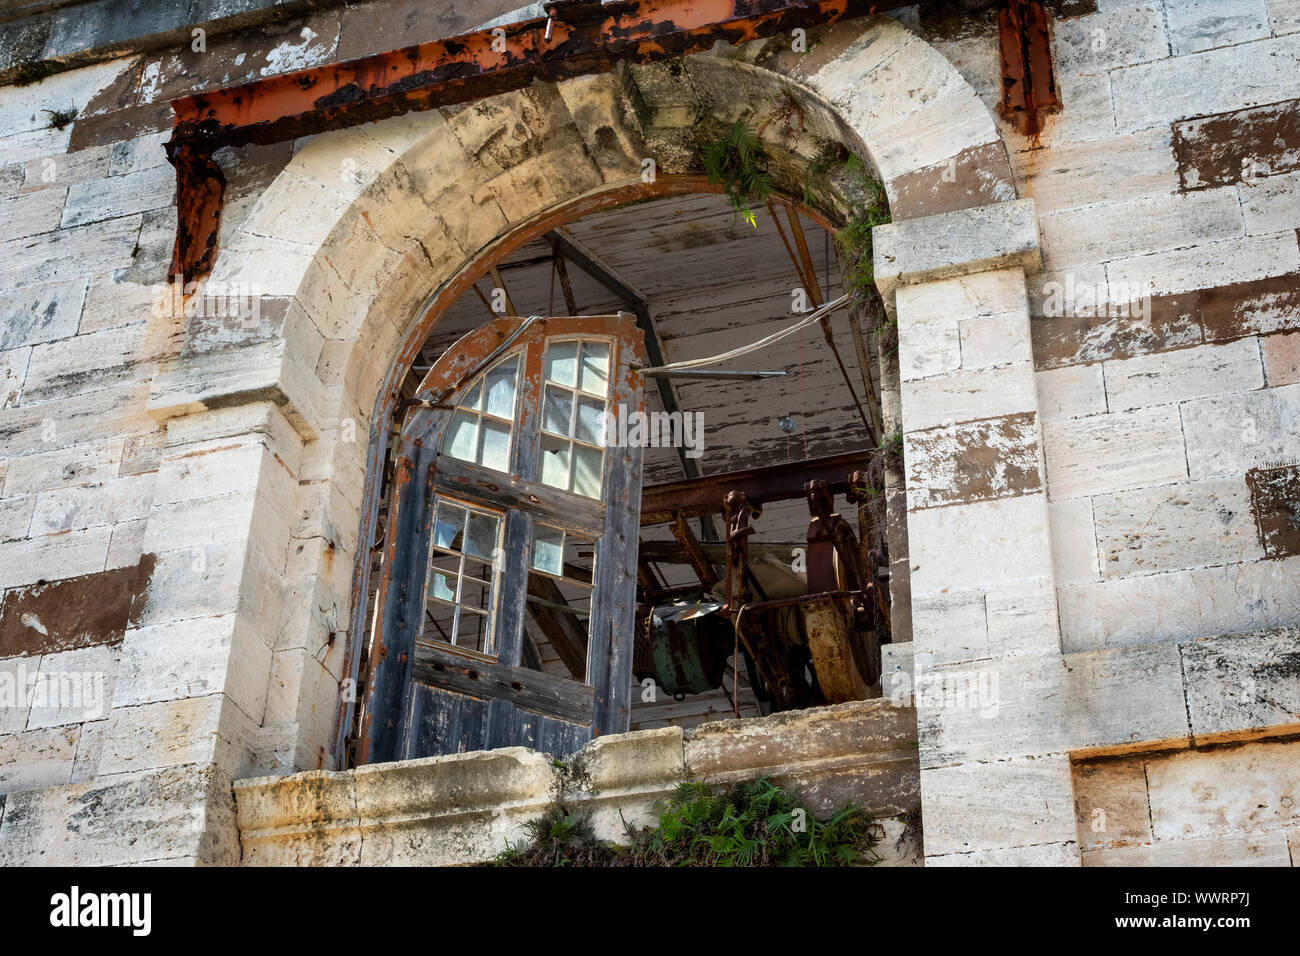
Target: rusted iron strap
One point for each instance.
(583, 37)
(1028, 80)
(586, 37)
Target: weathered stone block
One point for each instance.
(1004, 541)
(996, 806)
(1221, 150)
(1255, 849)
(1178, 606)
(1184, 374)
(978, 461)
(1186, 525)
(1111, 452)
(1243, 684)
(987, 238)
(1110, 802)
(1230, 434)
(1048, 703)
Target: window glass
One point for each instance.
(575, 401)
(556, 628)
(482, 428)
(461, 585)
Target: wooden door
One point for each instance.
(508, 592)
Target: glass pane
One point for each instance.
(462, 441)
(475, 594)
(555, 462)
(448, 526)
(586, 470)
(444, 570)
(496, 445)
(548, 549)
(590, 425)
(595, 367)
(472, 631)
(474, 397)
(501, 388)
(557, 410)
(562, 363)
(482, 537)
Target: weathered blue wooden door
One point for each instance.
(508, 591)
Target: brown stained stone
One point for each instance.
(1217, 150)
(120, 125)
(977, 176)
(1281, 358)
(976, 461)
(1174, 322)
(1110, 801)
(1275, 503)
(900, 573)
(379, 27)
(252, 168)
(85, 611)
(1247, 308)
(221, 323)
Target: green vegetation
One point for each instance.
(738, 162)
(751, 824)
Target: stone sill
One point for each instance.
(464, 808)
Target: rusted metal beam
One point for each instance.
(693, 497)
(577, 38)
(690, 546)
(1029, 90)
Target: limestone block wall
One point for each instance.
(1168, 193)
(1089, 497)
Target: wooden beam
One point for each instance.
(495, 273)
(561, 628)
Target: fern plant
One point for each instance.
(752, 824)
(738, 163)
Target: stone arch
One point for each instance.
(366, 228)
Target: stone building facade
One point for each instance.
(1094, 551)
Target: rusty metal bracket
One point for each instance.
(574, 39)
(1029, 90)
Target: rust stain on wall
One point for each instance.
(976, 461)
(1275, 503)
(1230, 147)
(1245, 308)
(85, 611)
(1173, 321)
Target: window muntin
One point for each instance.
(460, 587)
(482, 427)
(574, 405)
(561, 572)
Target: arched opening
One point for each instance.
(702, 274)
(443, 196)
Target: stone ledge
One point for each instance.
(465, 808)
(997, 236)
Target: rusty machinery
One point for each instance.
(820, 647)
